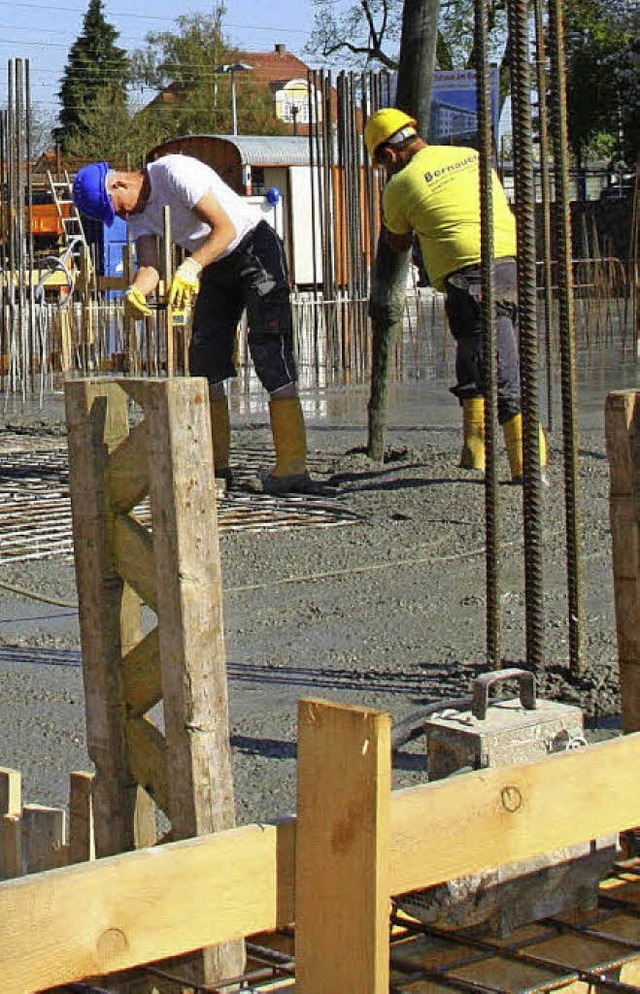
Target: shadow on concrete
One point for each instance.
(15, 655)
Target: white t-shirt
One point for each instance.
(180, 181)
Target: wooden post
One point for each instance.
(342, 849)
(81, 827)
(43, 838)
(10, 791)
(175, 570)
(10, 847)
(97, 424)
(10, 825)
(622, 428)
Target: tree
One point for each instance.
(197, 99)
(119, 133)
(368, 32)
(602, 63)
(94, 62)
(386, 306)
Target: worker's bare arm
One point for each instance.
(147, 274)
(223, 230)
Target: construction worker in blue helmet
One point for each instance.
(433, 191)
(235, 262)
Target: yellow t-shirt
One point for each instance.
(437, 195)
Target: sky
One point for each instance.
(43, 31)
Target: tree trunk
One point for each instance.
(386, 309)
(417, 62)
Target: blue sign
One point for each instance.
(454, 106)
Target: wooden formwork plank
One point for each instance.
(10, 846)
(190, 623)
(127, 472)
(145, 831)
(101, 917)
(43, 838)
(142, 685)
(10, 791)
(60, 926)
(148, 760)
(81, 827)
(133, 557)
(342, 849)
(622, 423)
(98, 423)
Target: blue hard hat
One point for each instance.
(273, 195)
(90, 193)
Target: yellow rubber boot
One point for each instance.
(513, 440)
(512, 430)
(221, 435)
(472, 456)
(290, 441)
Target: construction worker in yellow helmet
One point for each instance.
(433, 191)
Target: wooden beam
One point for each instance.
(148, 759)
(128, 472)
(138, 389)
(101, 917)
(622, 431)
(10, 791)
(117, 913)
(189, 607)
(342, 849)
(97, 421)
(43, 837)
(145, 832)
(133, 557)
(10, 847)
(81, 825)
(142, 686)
(190, 621)
(519, 811)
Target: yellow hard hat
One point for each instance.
(383, 124)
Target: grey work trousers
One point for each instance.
(464, 311)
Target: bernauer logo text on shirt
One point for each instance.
(449, 169)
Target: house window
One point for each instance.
(292, 103)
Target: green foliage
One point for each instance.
(120, 134)
(196, 99)
(603, 76)
(95, 64)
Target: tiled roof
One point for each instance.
(278, 66)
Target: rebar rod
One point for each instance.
(517, 11)
(489, 354)
(545, 192)
(566, 315)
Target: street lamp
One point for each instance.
(231, 68)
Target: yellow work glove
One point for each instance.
(135, 304)
(185, 284)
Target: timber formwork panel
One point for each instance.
(183, 768)
(118, 913)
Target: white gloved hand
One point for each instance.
(185, 284)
